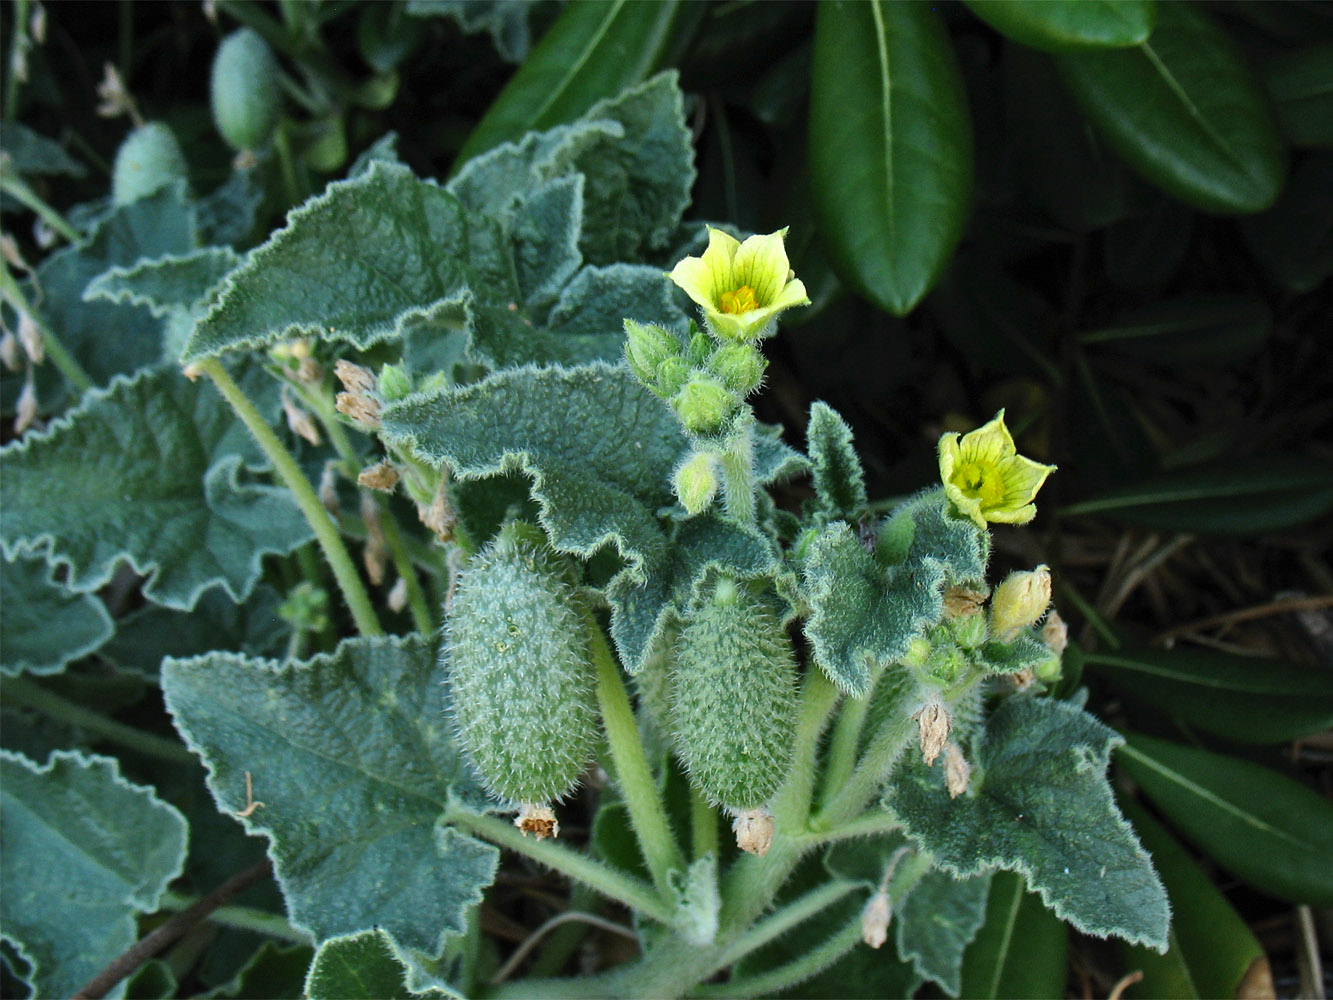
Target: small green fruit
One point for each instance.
(522, 681)
(696, 481)
(740, 366)
(703, 404)
(734, 700)
(149, 159)
(244, 89)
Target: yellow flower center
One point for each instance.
(742, 300)
(982, 481)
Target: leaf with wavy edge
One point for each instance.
(165, 284)
(46, 626)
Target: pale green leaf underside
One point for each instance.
(148, 471)
(45, 625)
(81, 851)
(352, 756)
(1044, 809)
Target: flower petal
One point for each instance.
(761, 262)
(695, 277)
(1022, 479)
(990, 443)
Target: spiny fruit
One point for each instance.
(733, 687)
(150, 158)
(244, 90)
(522, 681)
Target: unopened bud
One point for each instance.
(696, 481)
(970, 632)
(934, 721)
(397, 599)
(374, 555)
(394, 383)
(646, 347)
(328, 491)
(538, 820)
(962, 602)
(918, 652)
(754, 831)
(740, 366)
(875, 919)
(299, 420)
(1049, 670)
(382, 476)
(703, 404)
(1019, 601)
(1055, 633)
(25, 411)
(670, 377)
(957, 771)
(30, 336)
(9, 352)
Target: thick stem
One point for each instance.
(608, 881)
(703, 824)
(869, 775)
(846, 741)
(647, 814)
(284, 465)
(738, 472)
(791, 805)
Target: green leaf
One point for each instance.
(1191, 330)
(1021, 950)
(1300, 83)
(166, 283)
(229, 213)
(937, 920)
(589, 318)
(1241, 496)
(361, 966)
(1212, 953)
(356, 263)
(1022, 652)
(1266, 828)
(1043, 808)
(352, 757)
(46, 626)
(1246, 698)
(546, 238)
(593, 51)
(275, 970)
(32, 153)
(1069, 25)
(507, 22)
(839, 481)
(82, 851)
(1183, 109)
(148, 471)
(1294, 238)
(890, 147)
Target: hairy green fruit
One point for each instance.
(244, 90)
(150, 158)
(734, 700)
(522, 681)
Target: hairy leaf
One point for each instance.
(46, 626)
(937, 920)
(82, 851)
(1043, 808)
(589, 318)
(839, 480)
(362, 966)
(352, 756)
(165, 283)
(148, 471)
(507, 22)
(30, 152)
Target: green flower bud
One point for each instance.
(740, 366)
(671, 376)
(733, 686)
(703, 404)
(701, 347)
(1049, 671)
(918, 651)
(306, 607)
(394, 383)
(244, 90)
(1019, 601)
(522, 680)
(646, 347)
(970, 632)
(696, 481)
(150, 158)
(894, 538)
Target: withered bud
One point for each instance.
(18, 62)
(25, 411)
(440, 517)
(30, 336)
(328, 491)
(116, 100)
(754, 831)
(354, 378)
(9, 248)
(875, 919)
(398, 595)
(961, 602)
(301, 423)
(9, 352)
(309, 371)
(37, 24)
(1024, 679)
(957, 771)
(375, 553)
(539, 821)
(363, 410)
(935, 721)
(1055, 633)
(382, 476)
(192, 371)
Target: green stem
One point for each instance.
(796, 912)
(809, 964)
(738, 472)
(344, 570)
(869, 824)
(647, 815)
(791, 805)
(55, 350)
(21, 691)
(611, 883)
(241, 917)
(847, 740)
(703, 824)
(868, 776)
(11, 183)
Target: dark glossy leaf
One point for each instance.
(1147, 249)
(1301, 86)
(1191, 330)
(1242, 497)
(1294, 238)
(1184, 110)
(593, 51)
(890, 147)
(1266, 828)
(1021, 950)
(1212, 953)
(1252, 699)
(1065, 25)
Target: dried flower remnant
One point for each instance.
(962, 602)
(875, 919)
(957, 771)
(754, 831)
(538, 820)
(934, 722)
(381, 476)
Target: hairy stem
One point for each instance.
(811, 963)
(791, 805)
(608, 881)
(286, 468)
(797, 911)
(868, 776)
(243, 918)
(846, 741)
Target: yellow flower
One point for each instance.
(740, 286)
(987, 479)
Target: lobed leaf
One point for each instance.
(1043, 808)
(148, 471)
(362, 966)
(937, 920)
(46, 626)
(176, 281)
(82, 850)
(30, 152)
